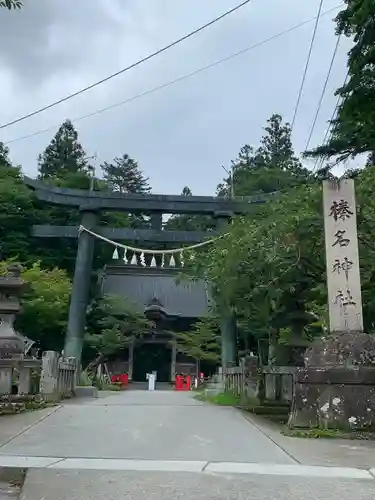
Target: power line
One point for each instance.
(176, 80)
(139, 62)
(323, 93)
(307, 63)
(329, 131)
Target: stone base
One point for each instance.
(86, 392)
(337, 397)
(336, 389)
(342, 349)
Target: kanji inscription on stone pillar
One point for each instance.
(342, 260)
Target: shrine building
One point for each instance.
(172, 306)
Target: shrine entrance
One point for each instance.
(146, 276)
(149, 357)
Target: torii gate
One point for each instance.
(90, 203)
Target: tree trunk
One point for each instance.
(92, 367)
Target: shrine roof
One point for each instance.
(143, 286)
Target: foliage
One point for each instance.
(271, 167)
(123, 175)
(11, 4)
(328, 434)
(221, 399)
(62, 164)
(113, 324)
(44, 305)
(270, 269)
(202, 341)
(264, 266)
(266, 269)
(189, 222)
(85, 379)
(353, 130)
(17, 211)
(64, 155)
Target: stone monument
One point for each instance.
(336, 388)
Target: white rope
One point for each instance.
(147, 250)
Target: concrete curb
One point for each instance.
(197, 466)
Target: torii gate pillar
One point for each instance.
(81, 288)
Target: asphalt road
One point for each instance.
(166, 445)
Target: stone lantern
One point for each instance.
(11, 288)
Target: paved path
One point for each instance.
(165, 445)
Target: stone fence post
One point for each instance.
(49, 375)
(6, 372)
(66, 380)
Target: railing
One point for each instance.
(67, 377)
(58, 377)
(278, 383)
(234, 378)
(242, 380)
(270, 383)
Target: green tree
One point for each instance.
(265, 268)
(270, 269)
(44, 305)
(202, 341)
(113, 323)
(353, 129)
(11, 4)
(4, 156)
(276, 150)
(123, 175)
(17, 212)
(189, 222)
(62, 164)
(186, 191)
(271, 167)
(64, 155)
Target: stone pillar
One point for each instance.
(173, 361)
(157, 221)
(336, 388)
(6, 380)
(81, 289)
(130, 360)
(49, 375)
(228, 339)
(342, 261)
(227, 320)
(24, 380)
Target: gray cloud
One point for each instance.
(184, 133)
(50, 36)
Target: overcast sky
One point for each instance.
(180, 135)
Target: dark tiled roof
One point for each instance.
(146, 286)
